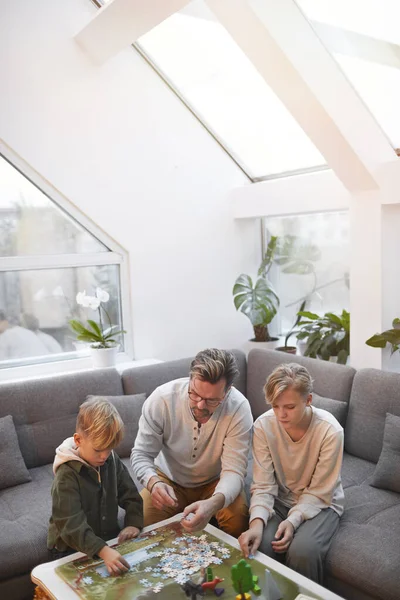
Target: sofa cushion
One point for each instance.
(44, 410)
(130, 409)
(365, 550)
(374, 394)
(13, 470)
(387, 472)
(337, 408)
(24, 516)
(330, 380)
(146, 379)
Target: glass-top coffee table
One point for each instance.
(167, 563)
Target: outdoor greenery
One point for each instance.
(326, 336)
(390, 336)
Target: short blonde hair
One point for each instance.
(289, 375)
(100, 421)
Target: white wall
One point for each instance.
(119, 144)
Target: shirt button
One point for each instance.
(195, 448)
(195, 438)
(103, 518)
(193, 456)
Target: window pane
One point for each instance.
(371, 59)
(216, 79)
(32, 224)
(46, 299)
(314, 264)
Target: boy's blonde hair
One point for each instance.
(100, 421)
(289, 375)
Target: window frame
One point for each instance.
(116, 255)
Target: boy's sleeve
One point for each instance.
(69, 517)
(128, 496)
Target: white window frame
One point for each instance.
(116, 255)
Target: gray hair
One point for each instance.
(212, 365)
(289, 375)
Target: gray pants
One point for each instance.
(306, 553)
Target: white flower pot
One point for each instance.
(104, 357)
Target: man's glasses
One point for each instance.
(209, 401)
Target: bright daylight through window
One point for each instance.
(46, 258)
(364, 38)
(312, 264)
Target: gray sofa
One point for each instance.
(364, 559)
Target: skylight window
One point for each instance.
(364, 38)
(213, 76)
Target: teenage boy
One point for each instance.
(297, 495)
(90, 483)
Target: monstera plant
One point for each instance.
(257, 299)
(390, 336)
(325, 336)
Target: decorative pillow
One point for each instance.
(13, 470)
(336, 407)
(387, 472)
(130, 409)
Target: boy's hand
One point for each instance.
(283, 537)
(115, 563)
(251, 539)
(127, 534)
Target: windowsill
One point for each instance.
(68, 366)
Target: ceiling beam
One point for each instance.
(120, 23)
(282, 45)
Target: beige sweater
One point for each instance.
(170, 438)
(303, 475)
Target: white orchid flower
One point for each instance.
(80, 298)
(92, 302)
(102, 295)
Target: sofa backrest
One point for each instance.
(140, 380)
(330, 380)
(374, 394)
(44, 410)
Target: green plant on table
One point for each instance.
(325, 336)
(97, 334)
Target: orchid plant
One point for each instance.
(95, 333)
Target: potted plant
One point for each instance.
(327, 336)
(292, 331)
(258, 300)
(390, 336)
(103, 345)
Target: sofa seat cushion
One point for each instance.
(355, 471)
(24, 515)
(365, 551)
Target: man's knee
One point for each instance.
(234, 519)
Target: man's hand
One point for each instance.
(251, 539)
(127, 534)
(202, 511)
(285, 532)
(115, 563)
(162, 494)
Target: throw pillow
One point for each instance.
(336, 407)
(130, 409)
(13, 470)
(387, 472)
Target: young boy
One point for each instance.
(90, 482)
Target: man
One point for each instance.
(31, 322)
(18, 342)
(192, 447)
